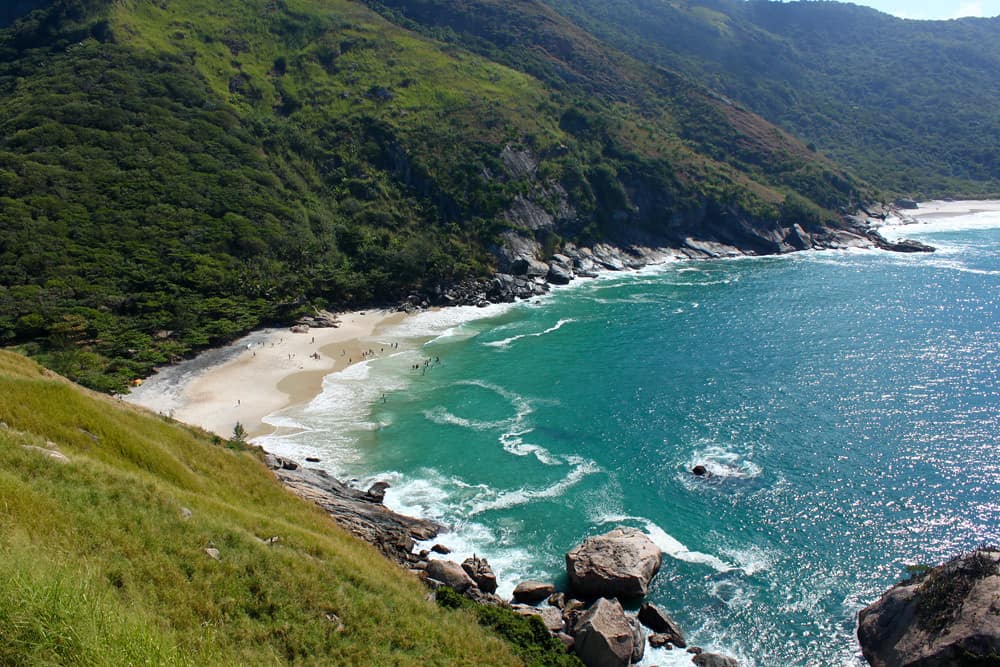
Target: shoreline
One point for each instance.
(267, 371)
(271, 370)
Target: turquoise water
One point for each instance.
(847, 404)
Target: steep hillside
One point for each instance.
(912, 106)
(105, 561)
(175, 173)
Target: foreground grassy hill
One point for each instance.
(913, 106)
(103, 565)
(173, 174)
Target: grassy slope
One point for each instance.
(908, 105)
(100, 567)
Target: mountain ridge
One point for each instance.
(175, 174)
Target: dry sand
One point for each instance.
(259, 374)
(948, 209)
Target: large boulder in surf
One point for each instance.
(620, 563)
(603, 635)
(949, 615)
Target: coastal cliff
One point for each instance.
(948, 616)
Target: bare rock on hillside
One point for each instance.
(451, 574)
(57, 456)
(391, 533)
(948, 616)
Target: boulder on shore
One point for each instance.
(661, 623)
(532, 592)
(949, 615)
(620, 563)
(451, 574)
(479, 571)
(603, 635)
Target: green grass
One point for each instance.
(102, 567)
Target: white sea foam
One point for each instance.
(670, 545)
(933, 224)
(721, 463)
(440, 415)
(507, 341)
(751, 559)
(435, 323)
(523, 496)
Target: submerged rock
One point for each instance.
(620, 563)
(948, 616)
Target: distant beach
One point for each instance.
(259, 374)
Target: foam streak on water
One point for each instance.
(845, 404)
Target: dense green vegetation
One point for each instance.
(528, 636)
(175, 173)
(105, 561)
(913, 106)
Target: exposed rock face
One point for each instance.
(903, 245)
(451, 574)
(620, 563)
(949, 616)
(604, 636)
(533, 591)
(481, 573)
(714, 660)
(51, 453)
(357, 511)
(660, 622)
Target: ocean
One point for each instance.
(846, 404)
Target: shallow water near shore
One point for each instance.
(846, 404)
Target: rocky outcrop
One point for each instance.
(604, 637)
(359, 512)
(479, 571)
(661, 623)
(714, 660)
(903, 245)
(620, 563)
(450, 574)
(949, 616)
(532, 592)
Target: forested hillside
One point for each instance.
(173, 174)
(912, 106)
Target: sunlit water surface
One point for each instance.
(847, 405)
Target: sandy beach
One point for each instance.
(259, 374)
(949, 209)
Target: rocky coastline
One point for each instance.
(525, 271)
(942, 616)
(588, 618)
(605, 570)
